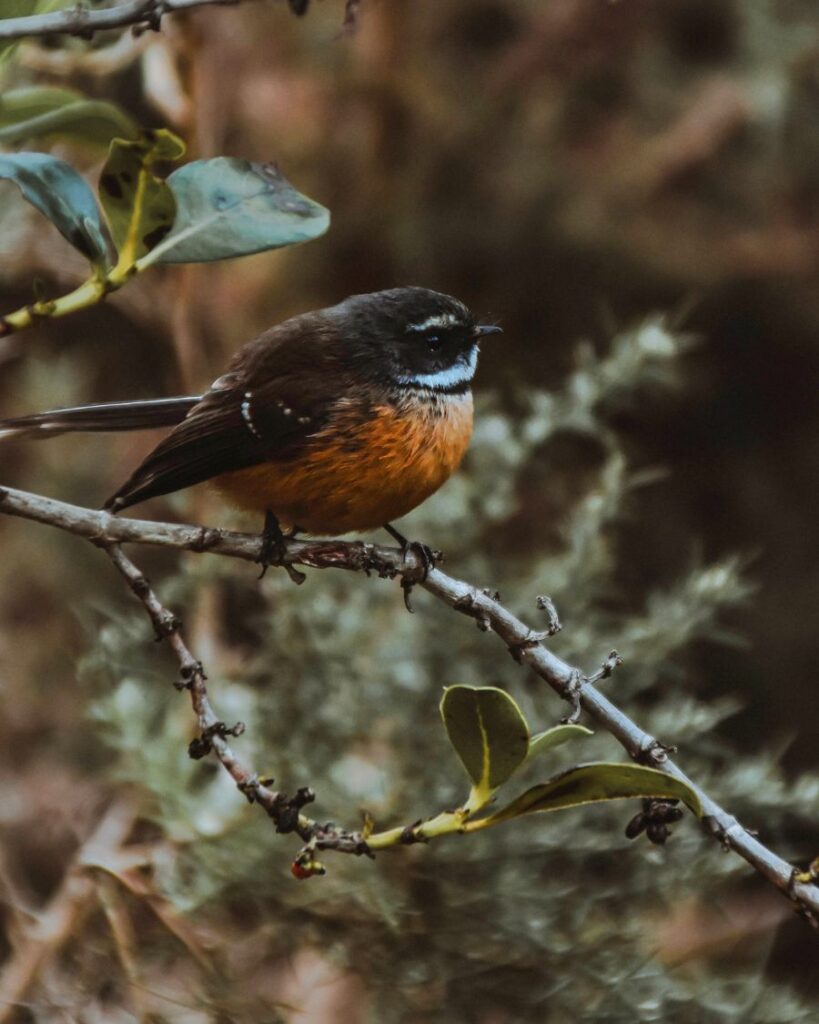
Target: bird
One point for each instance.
(335, 421)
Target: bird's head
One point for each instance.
(414, 337)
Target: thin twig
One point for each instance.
(524, 643)
(82, 21)
(213, 733)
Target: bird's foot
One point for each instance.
(427, 556)
(274, 548)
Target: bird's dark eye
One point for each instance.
(434, 342)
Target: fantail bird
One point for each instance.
(334, 421)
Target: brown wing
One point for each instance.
(276, 394)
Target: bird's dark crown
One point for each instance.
(416, 337)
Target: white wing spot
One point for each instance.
(246, 416)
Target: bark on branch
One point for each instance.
(83, 21)
(524, 643)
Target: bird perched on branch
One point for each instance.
(334, 421)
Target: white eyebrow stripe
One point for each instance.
(459, 373)
(438, 320)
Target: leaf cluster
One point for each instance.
(203, 211)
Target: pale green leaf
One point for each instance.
(227, 207)
(139, 206)
(35, 111)
(555, 737)
(592, 783)
(59, 192)
(489, 734)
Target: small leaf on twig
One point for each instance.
(59, 192)
(592, 783)
(227, 207)
(489, 734)
(139, 206)
(35, 111)
(555, 737)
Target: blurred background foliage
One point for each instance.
(568, 168)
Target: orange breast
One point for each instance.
(357, 476)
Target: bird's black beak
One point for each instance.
(483, 329)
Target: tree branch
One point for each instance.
(524, 644)
(284, 810)
(82, 21)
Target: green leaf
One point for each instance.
(33, 100)
(227, 207)
(555, 737)
(592, 783)
(43, 110)
(489, 734)
(59, 192)
(139, 206)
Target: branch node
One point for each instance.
(409, 836)
(533, 639)
(304, 796)
(571, 692)
(249, 787)
(188, 673)
(166, 622)
(141, 585)
(284, 810)
(612, 662)
(719, 830)
(207, 538)
(468, 605)
(151, 18)
(544, 603)
(203, 744)
(653, 753)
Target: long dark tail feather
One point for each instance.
(113, 416)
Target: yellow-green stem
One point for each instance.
(441, 825)
(89, 293)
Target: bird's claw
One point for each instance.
(274, 549)
(425, 555)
